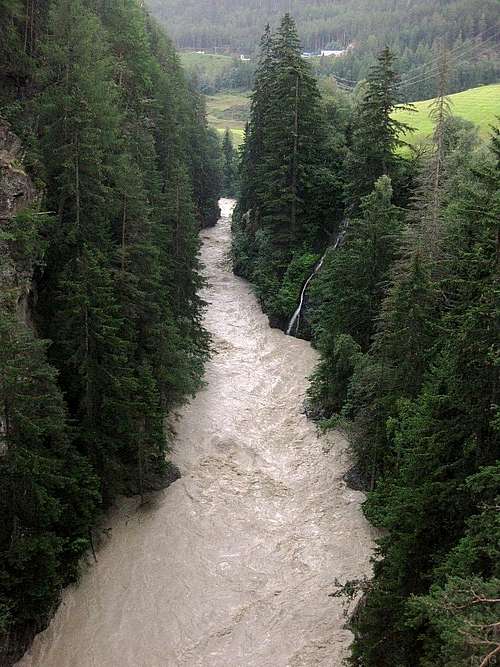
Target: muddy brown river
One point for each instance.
(233, 564)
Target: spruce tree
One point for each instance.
(287, 187)
(376, 135)
(429, 196)
(130, 171)
(48, 494)
(441, 441)
(292, 167)
(253, 145)
(351, 287)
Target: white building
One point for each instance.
(335, 54)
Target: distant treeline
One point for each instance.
(411, 29)
(127, 172)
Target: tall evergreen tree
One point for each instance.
(49, 496)
(293, 176)
(428, 198)
(253, 146)
(376, 134)
(287, 184)
(350, 290)
(441, 441)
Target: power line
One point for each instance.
(341, 84)
(341, 78)
(412, 79)
(428, 76)
(452, 52)
(454, 56)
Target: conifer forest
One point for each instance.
(249, 395)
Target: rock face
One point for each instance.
(17, 193)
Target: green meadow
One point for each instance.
(205, 62)
(478, 105)
(229, 110)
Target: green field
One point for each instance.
(228, 110)
(205, 62)
(479, 105)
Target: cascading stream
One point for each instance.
(295, 319)
(232, 565)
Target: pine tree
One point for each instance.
(253, 145)
(247, 217)
(428, 198)
(287, 187)
(130, 172)
(460, 612)
(79, 111)
(48, 496)
(406, 331)
(13, 59)
(375, 133)
(292, 171)
(351, 287)
(440, 439)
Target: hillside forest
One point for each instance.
(404, 314)
(100, 322)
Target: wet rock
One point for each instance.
(17, 193)
(312, 411)
(355, 480)
(277, 323)
(210, 217)
(156, 481)
(170, 475)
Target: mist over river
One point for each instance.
(232, 565)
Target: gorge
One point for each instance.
(234, 563)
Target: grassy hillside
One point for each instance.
(229, 110)
(216, 73)
(205, 62)
(478, 105)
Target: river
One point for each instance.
(232, 565)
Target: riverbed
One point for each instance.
(232, 565)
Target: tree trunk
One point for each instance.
(77, 186)
(293, 217)
(124, 232)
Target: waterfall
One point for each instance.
(295, 320)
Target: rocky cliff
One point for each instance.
(17, 194)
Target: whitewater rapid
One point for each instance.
(232, 565)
